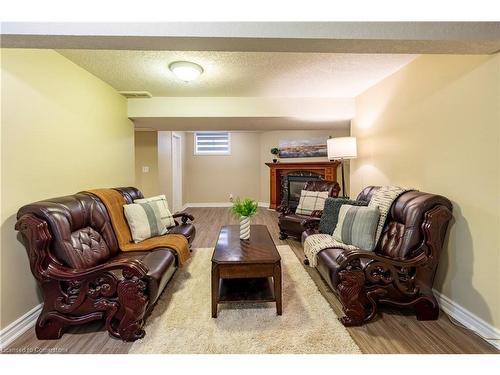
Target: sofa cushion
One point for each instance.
(311, 201)
(161, 266)
(291, 224)
(403, 231)
(357, 226)
(82, 235)
(327, 265)
(330, 215)
(187, 230)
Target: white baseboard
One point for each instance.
(469, 320)
(209, 204)
(19, 326)
(217, 204)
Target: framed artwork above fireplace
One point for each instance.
(303, 148)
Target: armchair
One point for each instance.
(400, 271)
(290, 223)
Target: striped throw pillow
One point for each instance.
(330, 215)
(156, 198)
(161, 201)
(148, 219)
(311, 201)
(357, 226)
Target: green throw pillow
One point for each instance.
(330, 215)
(357, 226)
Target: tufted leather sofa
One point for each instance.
(400, 271)
(290, 223)
(83, 275)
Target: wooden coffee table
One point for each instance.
(246, 270)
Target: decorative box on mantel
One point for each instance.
(326, 169)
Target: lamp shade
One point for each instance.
(342, 148)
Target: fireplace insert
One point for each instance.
(292, 186)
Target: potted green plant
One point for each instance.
(244, 209)
(275, 151)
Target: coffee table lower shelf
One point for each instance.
(252, 290)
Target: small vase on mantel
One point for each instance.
(276, 152)
(244, 228)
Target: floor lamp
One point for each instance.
(340, 149)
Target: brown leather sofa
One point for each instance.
(83, 275)
(400, 272)
(290, 223)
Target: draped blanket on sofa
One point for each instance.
(114, 201)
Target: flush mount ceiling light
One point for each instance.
(185, 70)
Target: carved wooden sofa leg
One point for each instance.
(133, 302)
(283, 236)
(351, 289)
(426, 308)
(47, 328)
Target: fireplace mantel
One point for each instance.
(327, 169)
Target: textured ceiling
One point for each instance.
(252, 74)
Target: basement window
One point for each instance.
(212, 143)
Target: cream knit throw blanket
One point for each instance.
(318, 242)
(382, 198)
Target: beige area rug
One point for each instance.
(181, 322)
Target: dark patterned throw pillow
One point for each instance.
(330, 215)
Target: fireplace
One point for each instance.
(292, 184)
(278, 190)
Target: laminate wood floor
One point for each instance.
(390, 332)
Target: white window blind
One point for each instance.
(212, 143)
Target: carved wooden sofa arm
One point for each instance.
(370, 283)
(347, 258)
(76, 296)
(310, 224)
(316, 213)
(184, 217)
(284, 210)
(131, 267)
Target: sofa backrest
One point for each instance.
(130, 193)
(403, 233)
(332, 187)
(82, 234)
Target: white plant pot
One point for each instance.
(244, 228)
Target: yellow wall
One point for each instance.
(63, 130)
(212, 178)
(435, 126)
(146, 155)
